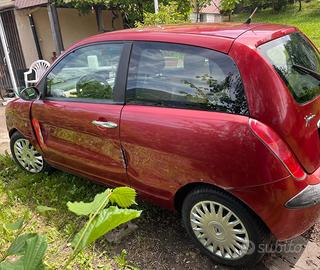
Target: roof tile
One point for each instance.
(212, 8)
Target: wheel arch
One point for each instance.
(12, 131)
(183, 191)
(186, 189)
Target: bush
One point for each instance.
(106, 212)
(168, 14)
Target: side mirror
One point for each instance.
(29, 93)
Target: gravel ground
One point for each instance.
(160, 242)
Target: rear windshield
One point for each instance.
(288, 52)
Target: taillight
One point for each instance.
(278, 147)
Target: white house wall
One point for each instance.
(26, 38)
(74, 27)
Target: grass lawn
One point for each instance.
(21, 193)
(159, 242)
(308, 20)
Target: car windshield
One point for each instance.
(298, 64)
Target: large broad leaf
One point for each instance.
(15, 226)
(84, 209)
(123, 196)
(17, 265)
(35, 251)
(106, 221)
(18, 246)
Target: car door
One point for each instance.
(77, 120)
(185, 119)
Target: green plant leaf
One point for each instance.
(107, 220)
(17, 265)
(123, 196)
(18, 246)
(85, 209)
(43, 209)
(15, 226)
(35, 250)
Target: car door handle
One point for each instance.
(104, 124)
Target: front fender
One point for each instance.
(18, 118)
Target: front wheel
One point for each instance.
(223, 228)
(26, 156)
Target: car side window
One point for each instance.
(182, 76)
(87, 73)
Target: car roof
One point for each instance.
(218, 36)
(228, 30)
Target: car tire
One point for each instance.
(26, 156)
(223, 228)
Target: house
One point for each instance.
(210, 13)
(36, 29)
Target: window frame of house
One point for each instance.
(202, 17)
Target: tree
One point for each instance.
(198, 5)
(276, 5)
(167, 14)
(300, 5)
(132, 11)
(228, 6)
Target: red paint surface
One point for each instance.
(166, 149)
(271, 103)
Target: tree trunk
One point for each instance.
(300, 5)
(99, 17)
(273, 6)
(198, 13)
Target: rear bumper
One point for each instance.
(310, 196)
(288, 207)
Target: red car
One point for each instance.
(217, 121)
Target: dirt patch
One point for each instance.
(313, 234)
(160, 242)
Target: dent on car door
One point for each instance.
(186, 120)
(79, 114)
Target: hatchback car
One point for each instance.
(217, 121)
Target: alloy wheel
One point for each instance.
(27, 156)
(219, 230)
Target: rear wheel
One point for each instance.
(26, 156)
(223, 228)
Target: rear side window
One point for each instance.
(180, 76)
(288, 52)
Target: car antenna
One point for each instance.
(248, 21)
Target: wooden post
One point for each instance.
(55, 28)
(35, 36)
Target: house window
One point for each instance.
(202, 17)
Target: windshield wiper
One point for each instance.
(308, 71)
